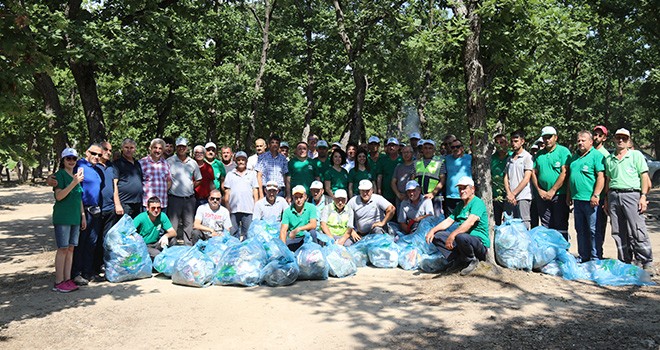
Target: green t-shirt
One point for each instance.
(67, 211)
(151, 231)
(583, 171)
(219, 173)
(355, 176)
(338, 179)
(477, 207)
(294, 219)
(386, 166)
(322, 167)
(497, 167)
(625, 173)
(548, 165)
(302, 172)
(373, 165)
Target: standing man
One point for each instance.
(272, 166)
(374, 154)
(219, 172)
(205, 185)
(386, 166)
(458, 164)
(497, 164)
(404, 172)
(321, 161)
(548, 179)
(156, 179)
(312, 142)
(371, 212)
(186, 176)
(83, 254)
(260, 148)
(445, 148)
(271, 206)
(227, 159)
(128, 179)
(627, 178)
(414, 139)
(586, 181)
(241, 193)
(284, 149)
(517, 176)
(600, 136)
(211, 219)
(430, 174)
(301, 170)
(111, 207)
(168, 149)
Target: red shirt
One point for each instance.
(203, 190)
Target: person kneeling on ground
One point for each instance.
(155, 228)
(211, 219)
(299, 217)
(271, 206)
(335, 219)
(414, 208)
(469, 242)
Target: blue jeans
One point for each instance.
(242, 221)
(585, 225)
(83, 254)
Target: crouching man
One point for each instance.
(155, 228)
(466, 245)
(300, 216)
(211, 219)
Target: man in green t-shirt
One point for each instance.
(302, 170)
(155, 228)
(497, 165)
(548, 179)
(586, 180)
(300, 216)
(385, 170)
(468, 243)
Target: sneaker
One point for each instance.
(72, 285)
(80, 281)
(97, 278)
(63, 287)
(471, 267)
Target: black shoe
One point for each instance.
(97, 278)
(471, 267)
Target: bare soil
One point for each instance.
(377, 308)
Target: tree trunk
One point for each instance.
(310, 109)
(164, 111)
(52, 107)
(422, 99)
(476, 109)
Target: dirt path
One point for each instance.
(377, 308)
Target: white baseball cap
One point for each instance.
(272, 185)
(465, 181)
(210, 145)
(182, 141)
(548, 130)
(316, 185)
(341, 193)
(365, 185)
(69, 152)
(392, 140)
(622, 131)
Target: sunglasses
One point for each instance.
(214, 199)
(94, 153)
(71, 158)
(155, 208)
(456, 146)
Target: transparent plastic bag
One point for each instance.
(241, 264)
(512, 245)
(125, 254)
(311, 261)
(194, 268)
(339, 259)
(164, 262)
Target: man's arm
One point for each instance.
(260, 182)
(443, 225)
(395, 188)
(311, 225)
(463, 228)
(283, 229)
(226, 198)
(119, 210)
(558, 183)
(379, 183)
(287, 186)
(598, 188)
(643, 201)
(389, 214)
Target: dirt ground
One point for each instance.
(377, 308)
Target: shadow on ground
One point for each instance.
(25, 237)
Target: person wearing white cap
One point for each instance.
(260, 148)
(371, 212)
(430, 174)
(186, 176)
(302, 170)
(550, 170)
(627, 182)
(299, 217)
(457, 165)
(204, 187)
(517, 176)
(403, 172)
(335, 219)
(319, 199)
(271, 206)
(414, 208)
(241, 193)
(322, 161)
(385, 169)
(219, 172)
(272, 166)
(68, 218)
(463, 236)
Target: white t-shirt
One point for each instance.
(217, 220)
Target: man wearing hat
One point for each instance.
(414, 139)
(429, 172)
(335, 219)
(271, 206)
(627, 180)
(272, 166)
(371, 212)
(300, 216)
(241, 193)
(319, 199)
(373, 145)
(468, 243)
(186, 176)
(549, 177)
(322, 162)
(284, 149)
(414, 208)
(385, 171)
(600, 136)
(600, 133)
(219, 172)
(404, 172)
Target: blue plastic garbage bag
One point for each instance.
(432, 262)
(383, 252)
(611, 272)
(267, 228)
(551, 268)
(512, 245)
(126, 257)
(339, 259)
(216, 246)
(280, 273)
(409, 257)
(546, 243)
(164, 262)
(276, 250)
(194, 268)
(311, 261)
(418, 238)
(241, 264)
(359, 253)
(569, 267)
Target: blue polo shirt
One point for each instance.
(91, 185)
(108, 186)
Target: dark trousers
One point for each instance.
(295, 243)
(132, 209)
(108, 219)
(554, 214)
(182, 210)
(534, 213)
(240, 222)
(83, 254)
(498, 210)
(154, 248)
(465, 248)
(601, 225)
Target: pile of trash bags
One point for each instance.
(125, 253)
(545, 250)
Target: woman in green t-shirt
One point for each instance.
(68, 218)
(360, 172)
(336, 177)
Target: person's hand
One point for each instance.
(429, 195)
(606, 208)
(551, 193)
(77, 177)
(378, 224)
(511, 198)
(594, 201)
(214, 233)
(544, 195)
(293, 233)
(449, 244)
(83, 222)
(119, 210)
(430, 236)
(288, 199)
(356, 237)
(163, 241)
(401, 196)
(569, 201)
(643, 204)
(52, 182)
(342, 240)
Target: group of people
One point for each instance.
(344, 193)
